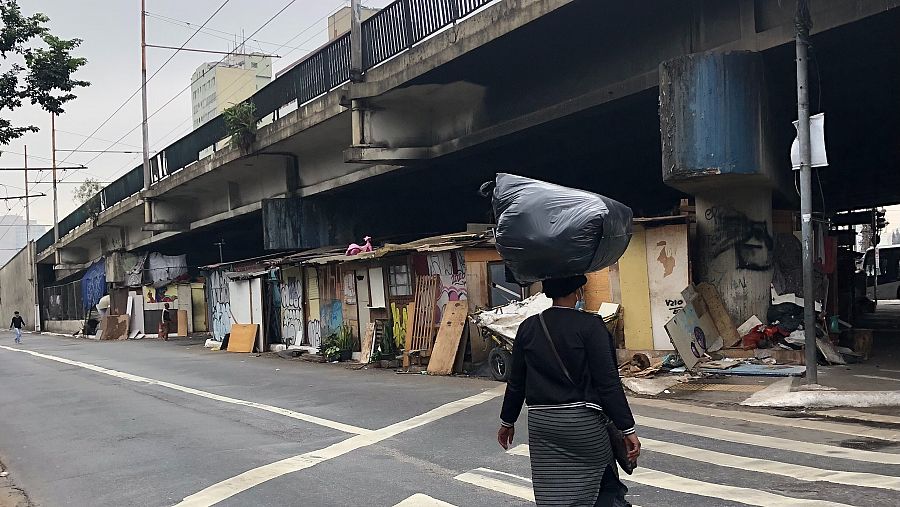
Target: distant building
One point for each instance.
(12, 235)
(219, 85)
(339, 22)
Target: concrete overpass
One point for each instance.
(566, 90)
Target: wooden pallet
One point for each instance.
(420, 331)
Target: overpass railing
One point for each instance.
(392, 30)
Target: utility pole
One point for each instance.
(803, 23)
(55, 201)
(148, 210)
(220, 244)
(32, 254)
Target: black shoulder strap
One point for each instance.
(553, 348)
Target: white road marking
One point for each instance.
(521, 450)
(487, 478)
(747, 496)
(347, 428)
(799, 472)
(863, 416)
(420, 500)
(878, 377)
(777, 388)
(821, 450)
(889, 371)
(831, 427)
(240, 483)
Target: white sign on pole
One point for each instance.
(818, 157)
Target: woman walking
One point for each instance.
(568, 399)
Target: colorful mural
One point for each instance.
(451, 269)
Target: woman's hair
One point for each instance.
(562, 287)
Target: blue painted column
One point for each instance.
(713, 119)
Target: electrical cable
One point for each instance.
(166, 104)
(114, 113)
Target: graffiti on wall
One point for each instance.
(750, 239)
(331, 317)
(219, 304)
(292, 307)
(451, 269)
(314, 332)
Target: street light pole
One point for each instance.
(803, 24)
(55, 200)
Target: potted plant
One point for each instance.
(240, 123)
(329, 349)
(344, 342)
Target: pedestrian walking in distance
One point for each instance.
(571, 386)
(164, 322)
(16, 325)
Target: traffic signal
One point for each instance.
(880, 222)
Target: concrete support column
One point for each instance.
(716, 146)
(733, 248)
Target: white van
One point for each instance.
(889, 272)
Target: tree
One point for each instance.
(37, 67)
(86, 190)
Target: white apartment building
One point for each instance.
(219, 85)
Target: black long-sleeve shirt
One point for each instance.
(17, 322)
(586, 348)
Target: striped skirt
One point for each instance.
(570, 452)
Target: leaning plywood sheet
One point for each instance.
(367, 345)
(447, 343)
(831, 354)
(115, 327)
(182, 323)
(242, 338)
(724, 323)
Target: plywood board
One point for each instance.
(596, 291)
(448, 338)
(136, 322)
(477, 285)
(667, 275)
(367, 344)
(243, 337)
(182, 323)
(376, 288)
(482, 255)
(719, 314)
(114, 327)
(635, 289)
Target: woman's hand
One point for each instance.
(505, 436)
(633, 445)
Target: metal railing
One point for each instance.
(392, 30)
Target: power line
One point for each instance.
(133, 95)
(126, 167)
(212, 32)
(166, 104)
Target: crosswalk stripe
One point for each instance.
(420, 500)
(822, 450)
(831, 427)
(800, 472)
(495, 481)
(488, 479)
(746, 496)
(878, 377)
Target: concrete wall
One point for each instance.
(16, 290)
(63, 326)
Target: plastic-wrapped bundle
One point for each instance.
(549, 231)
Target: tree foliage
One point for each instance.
(86, 190)
(36, 66)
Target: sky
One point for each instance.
(110, 30)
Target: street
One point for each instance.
(159, 424)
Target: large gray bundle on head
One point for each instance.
(550, 231)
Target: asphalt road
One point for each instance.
(149, 423)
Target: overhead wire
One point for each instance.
(166, 104)
(127, 166)
(157, 71)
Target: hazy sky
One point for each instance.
(111, 33)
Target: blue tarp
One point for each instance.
(93, 284)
